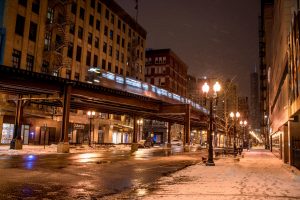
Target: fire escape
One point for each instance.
(56, 35)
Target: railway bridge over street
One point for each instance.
(111, 94)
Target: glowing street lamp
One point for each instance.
(91, 115)
(211, 97)
(234, 117)
(244, 124)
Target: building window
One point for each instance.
(68, 74)
(105, 30)
(90, 38)
(118, 39)
(76, 77)
(103, 64)
(129, 33)
(50, 15)
(32, 31)
(116, 69)
(78, 54)
(124, 28)
(99, 8)
(72, 28)
(93, 3)
(95, 60)
(117, 55)
(111, 34)
(80, 32)
(70, 50)
(91, 22)
(45, 67)
(98, 25)
(47, 41)
(81, 13)
(88, 58)
(107, 14)
(121, 71)
(16, 58)
(19, 29)
(123, 42)
(122, 57)
(104, 47)
(119, 24)
(110, 50)
(112, 19)
(109, 66)
(74, 8)
(36, 6)
(97, 42)
(29, 62)
(23, 3)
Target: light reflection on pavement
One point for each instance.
(88, 175)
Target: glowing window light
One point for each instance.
(133, 82)
(153, 88)
(145, 86)
(164, 92)
(110, 76)
(94, 70)
(158, 91)
(176, 97)
(120, 79)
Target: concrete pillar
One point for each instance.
(63, 145)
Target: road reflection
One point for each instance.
(29, 161)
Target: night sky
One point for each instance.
(215, 38)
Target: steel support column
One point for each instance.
(134, 145)
(16, 142)
(63, 146)
(187, 126)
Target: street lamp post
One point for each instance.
(91, 115)
(234, 117)
(211, 97)
(243, 125)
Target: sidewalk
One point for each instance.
(259, 175)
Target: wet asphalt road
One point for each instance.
(88, 175)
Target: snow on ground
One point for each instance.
(52, 149)
(259, 175)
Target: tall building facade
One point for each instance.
(67, 39)
(281, 52)
(165, 69)
(255, 115)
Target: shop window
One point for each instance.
(7, 133)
